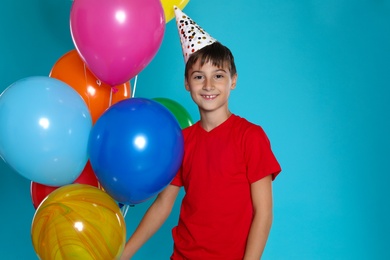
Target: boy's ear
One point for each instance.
(186, 85)
(234, 81)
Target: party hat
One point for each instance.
(192, 36)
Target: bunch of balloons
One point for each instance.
(86, 146)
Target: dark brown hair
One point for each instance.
(216, 53)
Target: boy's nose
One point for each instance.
(208, 85)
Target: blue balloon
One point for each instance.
(135, 149)
(44, 130)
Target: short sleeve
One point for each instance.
(258, 154)
(177, 181)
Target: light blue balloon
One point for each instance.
(44, 130)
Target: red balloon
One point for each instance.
(39, 191)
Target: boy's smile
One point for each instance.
(209, 97)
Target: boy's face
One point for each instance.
(210, 86)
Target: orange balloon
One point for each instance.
(98, 95)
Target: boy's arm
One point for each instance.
(261, 192)
(153, 219)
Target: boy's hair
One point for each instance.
(216, 53)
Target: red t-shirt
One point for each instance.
(217, 170)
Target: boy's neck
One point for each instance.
(210, 120)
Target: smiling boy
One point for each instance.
(227, 169)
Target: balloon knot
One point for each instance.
(114, 89)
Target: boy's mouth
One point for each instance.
(209, 97)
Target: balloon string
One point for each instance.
(135, 85)
(124, 210)
(85, 77)
(110, 101)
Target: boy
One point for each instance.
(227, 170)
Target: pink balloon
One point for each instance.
(115, 38)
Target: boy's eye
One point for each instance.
(198, 77)
(219, 76)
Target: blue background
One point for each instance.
(314, 74)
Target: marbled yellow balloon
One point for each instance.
(78, 221)
(168, 7)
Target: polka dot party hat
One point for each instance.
(192, 36)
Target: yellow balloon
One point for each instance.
(168, 7)
(78, 221)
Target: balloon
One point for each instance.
(168, 7)
(98, 96)
(115, 38)
(181, 114)
(135, 149)
(39, 191)
(78, 221)
(44, 132)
